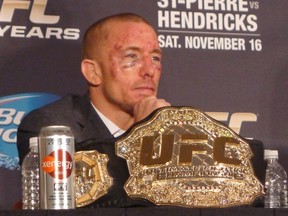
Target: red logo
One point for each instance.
(58, 164)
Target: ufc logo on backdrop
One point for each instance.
(234, 120)
(37, 11)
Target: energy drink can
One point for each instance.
(57, 168)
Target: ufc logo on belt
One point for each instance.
(189, 145)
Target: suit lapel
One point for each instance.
(90, 124)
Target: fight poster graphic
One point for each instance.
(209, 25)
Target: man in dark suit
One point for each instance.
(121, 62)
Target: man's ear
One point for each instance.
(91, 71)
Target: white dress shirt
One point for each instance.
(113, 128)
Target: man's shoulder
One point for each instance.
(63, 103)
(56, 112)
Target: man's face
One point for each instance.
(131, 64)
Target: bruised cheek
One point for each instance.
(159, 68)
(114, 65)
(117, 47)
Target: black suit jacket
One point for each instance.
(73, 111)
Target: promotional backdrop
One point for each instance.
(227, 58)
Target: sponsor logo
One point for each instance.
(12, 110)
(58, 164)
(36, 14)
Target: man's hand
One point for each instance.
(146, 106)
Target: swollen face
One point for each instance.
(131, 64)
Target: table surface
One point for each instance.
(155, 211)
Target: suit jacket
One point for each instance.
(73, 111)
(90, 134)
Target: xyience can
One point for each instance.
(57, 168)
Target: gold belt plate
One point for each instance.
(92, 180)
(183, 157)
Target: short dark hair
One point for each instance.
(93, 34)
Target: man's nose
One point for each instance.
(148, 68)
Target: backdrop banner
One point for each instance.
(227, 58)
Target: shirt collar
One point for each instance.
(113, 128)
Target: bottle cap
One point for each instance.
(268, 154)
(33, 142)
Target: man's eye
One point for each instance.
(131, 55)
(156, 58)
(130, 60)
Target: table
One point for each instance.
(151, 211)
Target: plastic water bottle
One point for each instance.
(275, 182)
(30, 177)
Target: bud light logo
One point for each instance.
(12, 110)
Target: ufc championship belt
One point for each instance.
(92, 180)
(183, 157)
